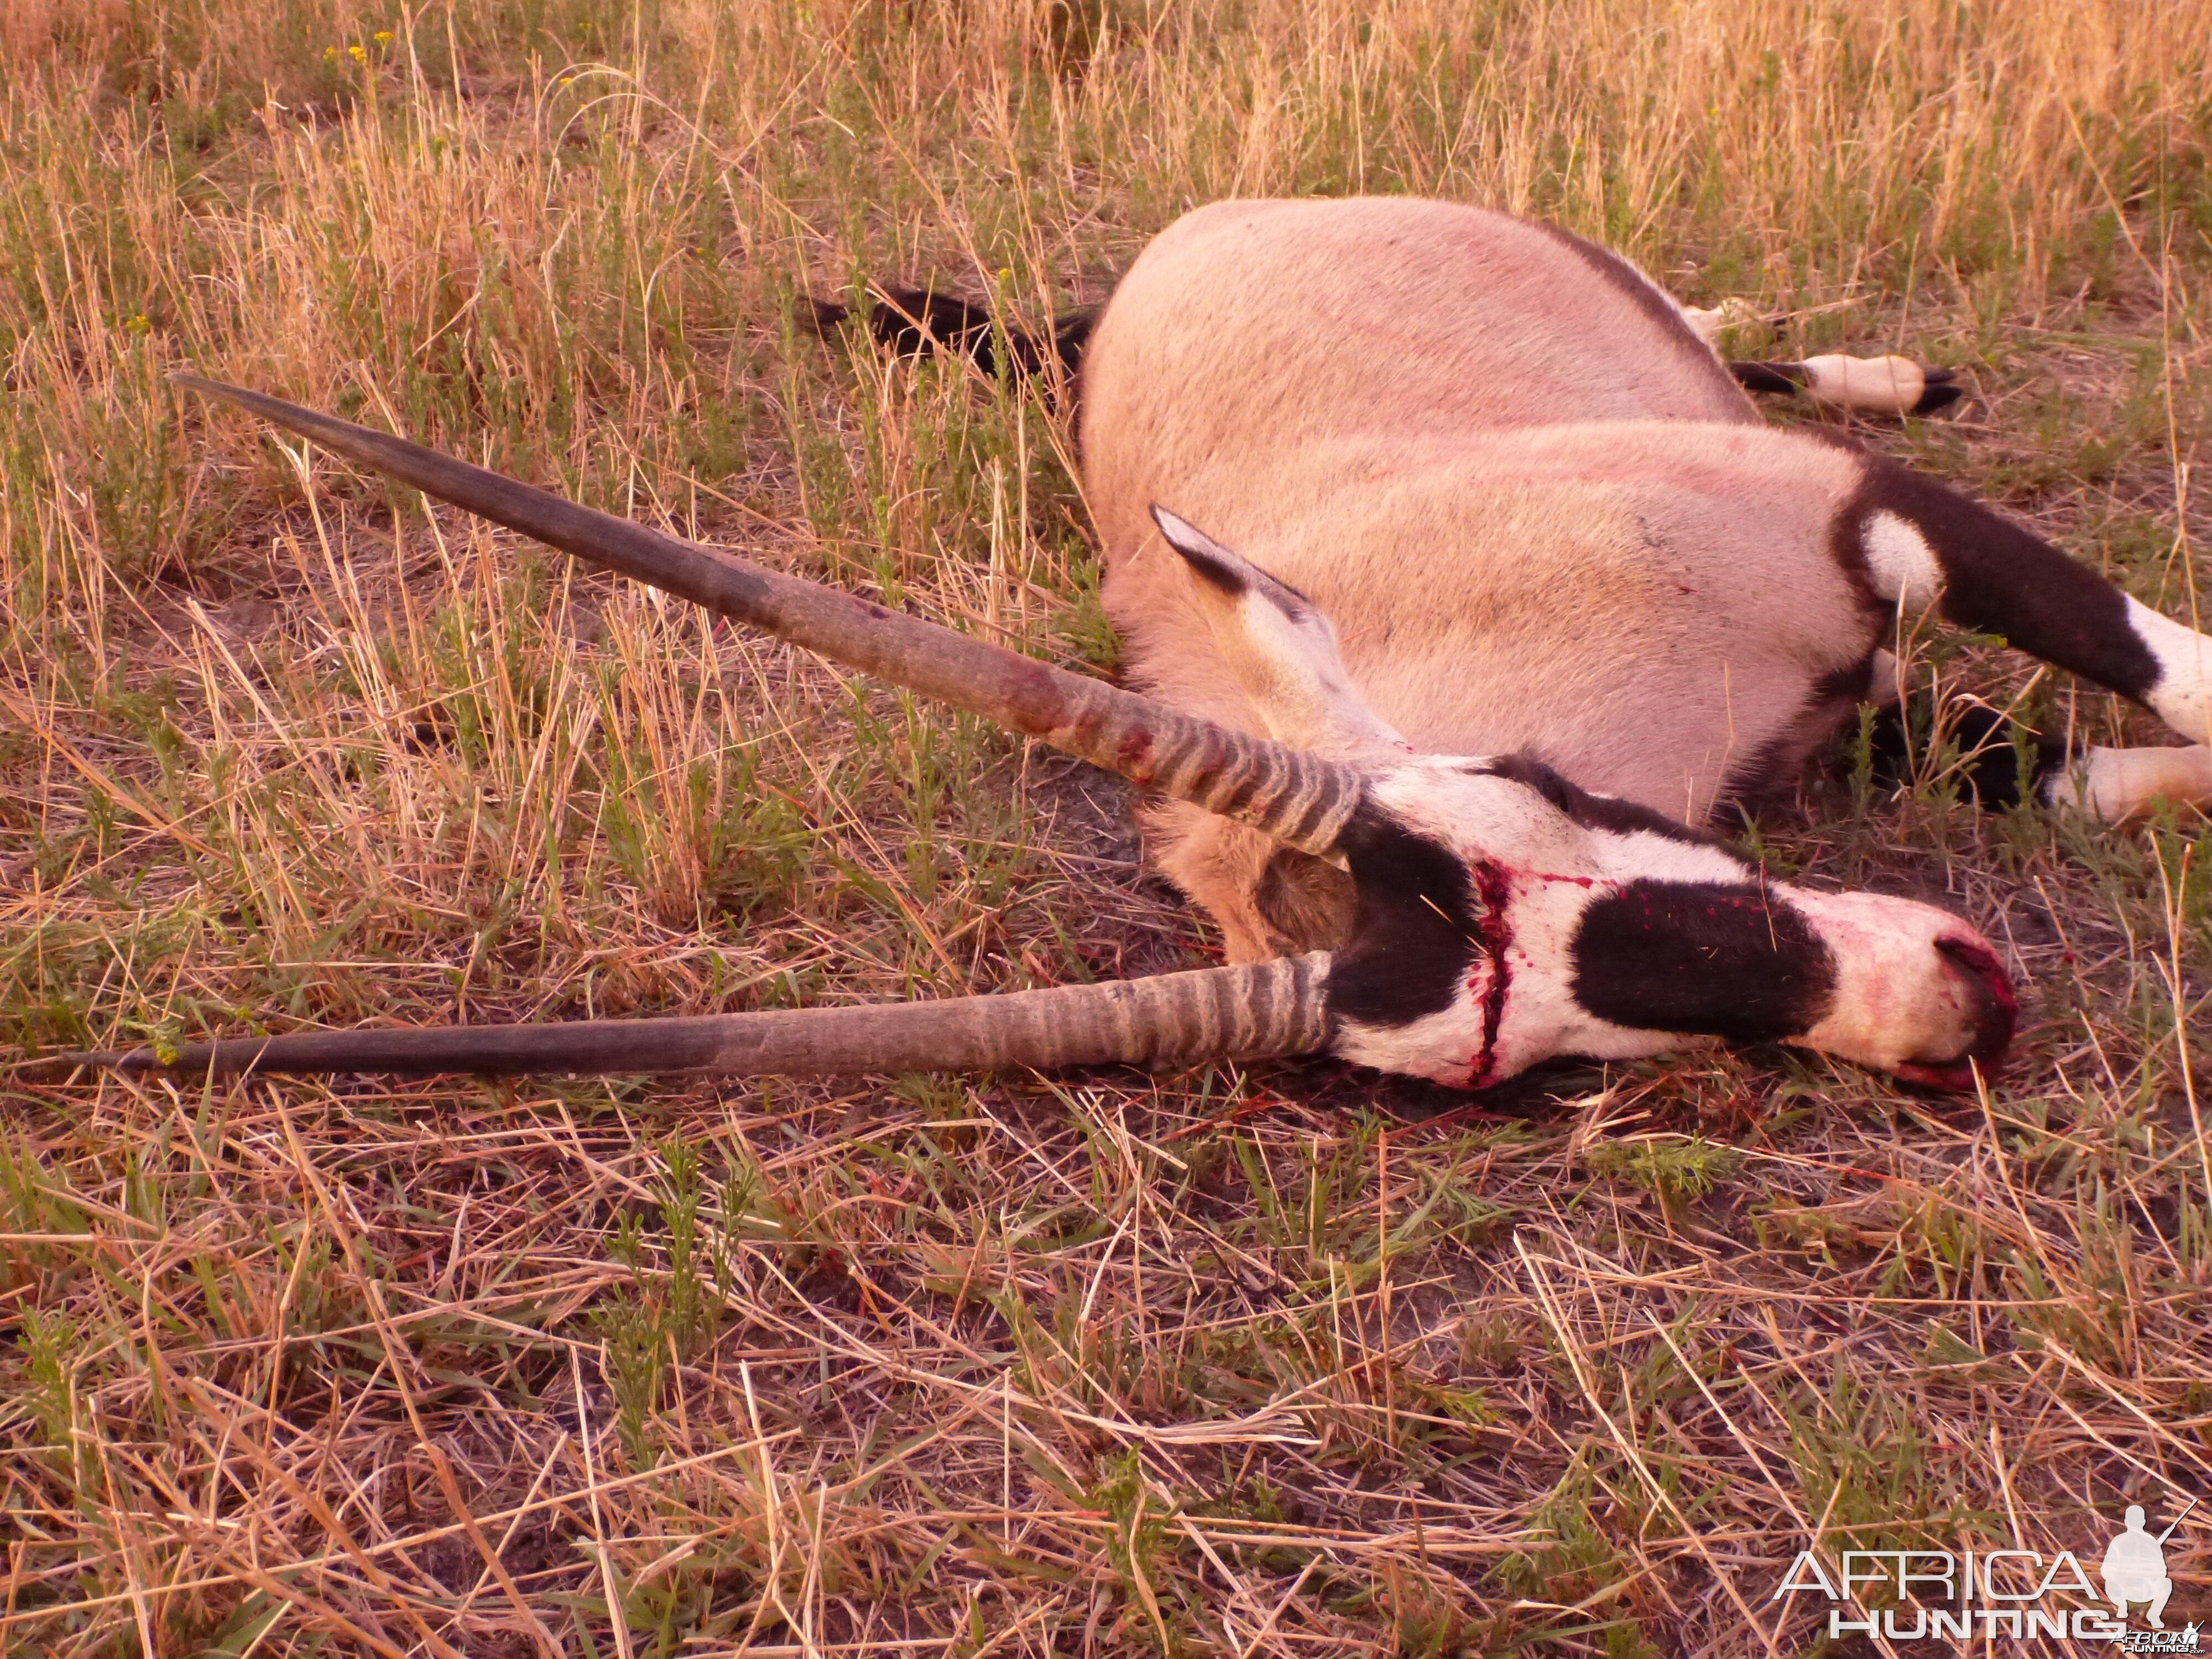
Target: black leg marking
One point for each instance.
(918, 321)
(1768, 377)
(915, 321)
(1996, 578)
(1940, 390)
(823, 317)
(2004, 763)
(1071, 336)
(1938, 387)
(1694, 956)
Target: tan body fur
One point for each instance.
(1490, 461)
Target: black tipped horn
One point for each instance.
(1295, 797)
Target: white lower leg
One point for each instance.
(1709, 324)
(2115, 784)
(2183, 696)
(1873, 385)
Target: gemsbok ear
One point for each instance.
(1279, 645)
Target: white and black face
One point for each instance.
(1507, 917)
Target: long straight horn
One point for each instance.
(1295, 797)
(1167, 1021)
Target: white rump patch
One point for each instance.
(2183, 696)
(1901, 564)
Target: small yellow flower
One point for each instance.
(360, 53)
(137, 325)
(382, 37)
(329, 54)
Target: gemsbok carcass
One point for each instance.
(1459, 579)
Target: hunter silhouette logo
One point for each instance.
(2135, 1567)
(1933, 1595)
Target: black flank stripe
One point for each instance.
(1638, 288)
(1772, 769)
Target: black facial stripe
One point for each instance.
(1591, 811)
(1991, 776)
(1999, 579)
(1703, 958)
(1415, 929)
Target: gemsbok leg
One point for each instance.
(1919, 543)
(2003, 762)
(1866, 386)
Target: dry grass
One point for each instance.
(1275, 1362)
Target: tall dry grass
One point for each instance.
(1243, 1362)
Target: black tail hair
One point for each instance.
(918, 321)
(1940, 389)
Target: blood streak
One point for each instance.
(1493, 888)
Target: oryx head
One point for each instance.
(1503, 915)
